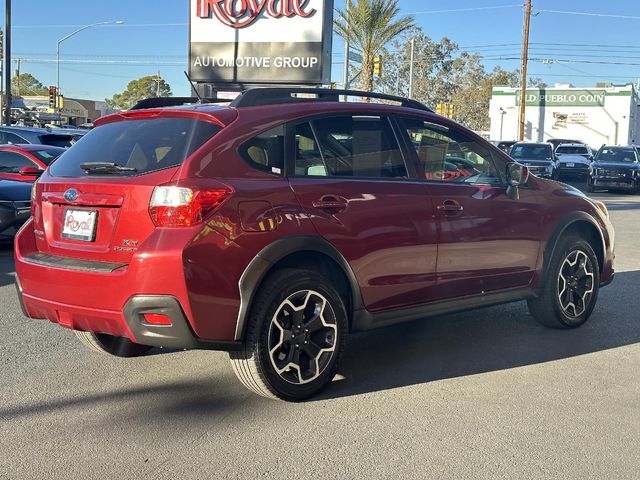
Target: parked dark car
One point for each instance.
(505, 145)
(615, 168)
(274, 226)
(15, 206)
(539, 157)
(43, 136)
(25, 163)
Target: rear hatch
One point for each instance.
(93, 201)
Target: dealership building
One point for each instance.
(604, 114)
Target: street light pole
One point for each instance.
(502, 113)
(75, 32)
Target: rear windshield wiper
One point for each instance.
(104, 167)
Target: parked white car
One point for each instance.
(573, 159)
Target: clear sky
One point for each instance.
(155, 36)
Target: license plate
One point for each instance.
(571, 164)
(80, 225)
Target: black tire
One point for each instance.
(274, 340)
(590, 187)
(110, 345)
(552, 308)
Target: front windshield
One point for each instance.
(531, 152)
(622, 155)
(572, 151)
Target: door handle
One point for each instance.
(449, 207)
(330, 203)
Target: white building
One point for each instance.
(604, 114)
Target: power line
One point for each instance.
(470, 9)
(591, 14)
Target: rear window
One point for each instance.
(572, 150)
(145, 145)
(58, 140)
(46, 156)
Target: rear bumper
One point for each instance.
(111, 298)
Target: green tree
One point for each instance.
(27, 84)
(369, 25)
(144, 87)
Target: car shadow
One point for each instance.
(480, 341)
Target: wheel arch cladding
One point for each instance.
(298, 251)
(581, 225)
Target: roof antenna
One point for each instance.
(193, 87)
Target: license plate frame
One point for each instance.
(570, 164)
(83, 232)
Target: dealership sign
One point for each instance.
(244, 42)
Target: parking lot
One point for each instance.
(482, 394)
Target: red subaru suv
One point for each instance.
(276, 225)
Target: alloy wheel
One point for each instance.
(575, 283)
(302, 337)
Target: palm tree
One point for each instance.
(369, 25)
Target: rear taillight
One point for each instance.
(173, 206)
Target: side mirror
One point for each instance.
(517, 174)
(30, 171)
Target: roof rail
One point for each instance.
(277, 95)
(161, 102)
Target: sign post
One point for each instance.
(236, 44)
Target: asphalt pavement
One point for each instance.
(482, 394)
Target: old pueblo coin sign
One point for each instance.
(252, 42)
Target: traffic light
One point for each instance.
(60, 102)
(52, 97)
(377, 65)
(450, 110)
(440, 108)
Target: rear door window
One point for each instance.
(349, 146)
(146, 145)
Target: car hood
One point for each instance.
(15, 191)
(573, 158)
(534, 162)
(617, 165)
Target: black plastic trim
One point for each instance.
(365, 320)
(19, 291)
(270, 255)
(67, 263)
(560, 228)
(177, 335)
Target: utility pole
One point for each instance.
(158, 84)
(413, 47)
(7, 63)
(525, 61)
(17, 75)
